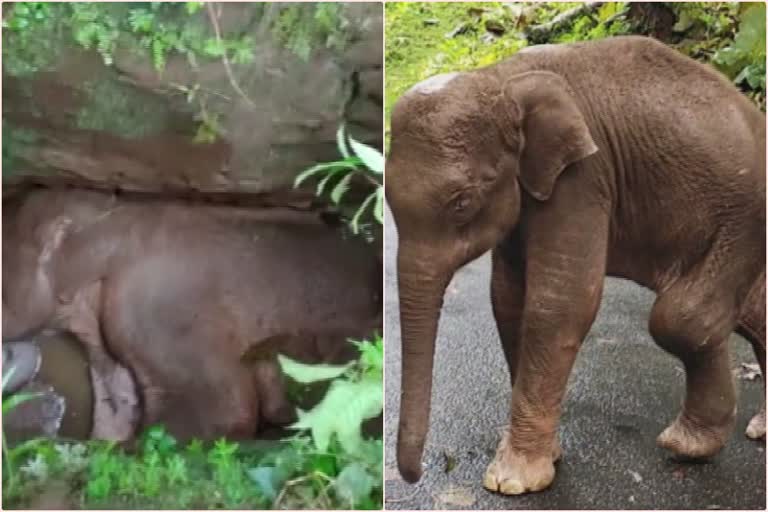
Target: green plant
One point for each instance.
(338, 461)
(355, 395)
(744, 58)
(606, 22)
(9, 403)
(92, 27)
(301, 30)
(359, 160)
(305, 471)
(157, 29)
(25, 47)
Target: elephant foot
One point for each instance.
(514, 473)
(694, 440)
(116, 407)
(114, 425)
(280, 414)
(756, 426)
(111, 430)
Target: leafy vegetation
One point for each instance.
(743, 59)
(424, 39)
(605, 22)
(355, 395)
(34, 34)
(327, 464)
(154, 29)
(9, 403)
(300, 29)
(335, 179)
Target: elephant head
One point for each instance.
(29, 298)
(37, 228)
(465, 148)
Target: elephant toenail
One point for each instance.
(512, 487)
(490, 483)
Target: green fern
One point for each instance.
(358, 160)
(356, 395)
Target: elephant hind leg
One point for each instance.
(693, 319)
(752, 327)
(116, 411)
(275, 408)
(209, 409)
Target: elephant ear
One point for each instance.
(551, 130)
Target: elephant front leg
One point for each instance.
(508, 301)
(564, 280)
(115, 413)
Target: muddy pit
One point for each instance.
(69, 119)
(65, 407)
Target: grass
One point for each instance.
(343, 471)
(163, 474)
(10, 403)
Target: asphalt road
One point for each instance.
(623, 391)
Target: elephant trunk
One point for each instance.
(421, 298)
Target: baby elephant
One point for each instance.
(168, 297)
(618, 157)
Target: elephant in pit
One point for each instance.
(181, 307)
(571, 162)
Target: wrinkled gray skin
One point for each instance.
(182, 307)
(570, 162)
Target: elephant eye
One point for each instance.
(460, 204)
(461, 208)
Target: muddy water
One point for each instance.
(64, 369)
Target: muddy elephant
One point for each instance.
(182, 306)
(619, 157)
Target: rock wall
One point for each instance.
(127, 126)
